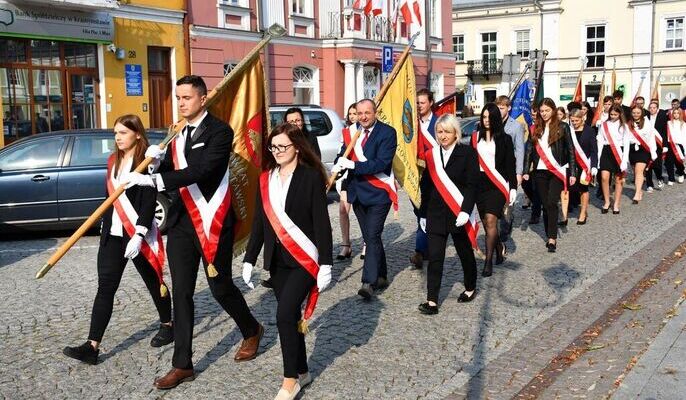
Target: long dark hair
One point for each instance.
(617, 108)
(640, 121)
(306, 155)
(347, 114)
(554, 131)
(495, 122)
(294, 110)
(134, 123)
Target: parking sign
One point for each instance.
(387, 58)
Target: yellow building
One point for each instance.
(637, 37)
(72, 64)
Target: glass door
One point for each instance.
(83, 111)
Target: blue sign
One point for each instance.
(387, 59)
(133, 75)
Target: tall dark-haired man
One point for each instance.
(196, 172)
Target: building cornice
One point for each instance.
(152, 14)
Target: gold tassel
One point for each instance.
(395, 215)
(211, 271)
(163, 290)
(303, 326)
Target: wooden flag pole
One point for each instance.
(274, 31)
(377, 101)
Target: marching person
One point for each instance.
(676, 139)
(528, 186)
(371, 190)
(618, 100)
(607, 104)
(613, 147)
(562, 114)
(292, 222)
(497, 182)
(295, 116)
(446, 206)
(586, 157)
(643, 150)
(201, 224)
(129, 231)
(658, 118)
(427, 122)
(550, 154)
(587, 111)
(516, 131)
(342, 187)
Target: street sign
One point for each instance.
(387, 59)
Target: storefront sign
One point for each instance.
(568, 81)
(54, 22)
(134, 80)
(566, 97)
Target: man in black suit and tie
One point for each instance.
(196, 172)
(371, 190)
(659, 120)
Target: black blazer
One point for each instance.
(505, 158)
(312, 138)
(589, 144)
(562, 149)
(660, 123)
(463, 169)
(208, 155)
(306, 206)
(142, 198)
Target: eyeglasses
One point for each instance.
(279, 148)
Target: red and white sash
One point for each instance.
(207, 216)
(380, 180)
(582, 159)
(299, 246)
(491, 171)
(638, 137)
(675, 148)
(611, 142)
(551, 163)
(446, 187)
(152, 247)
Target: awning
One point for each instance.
(71, 4)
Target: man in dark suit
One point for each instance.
(370, 203)
(427, 121)
(295, 116)
(207, 150)
(659, 120)
(618, 99)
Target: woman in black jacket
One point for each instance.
(446, 206)
(292, 222)
(586, 157)
(497, 181)
(128, 232)
(295, 116)
(551, 154)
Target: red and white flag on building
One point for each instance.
(370, 7)
(411, 12)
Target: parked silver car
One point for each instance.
(323, 122)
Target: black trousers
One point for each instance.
(656, 167)
(671, 163)
(549, 188)
(291, 286)
(184, 254)
(437, 246)
(532, 193)
(111, 263)
(371, 219)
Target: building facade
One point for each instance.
(633, 37)
(73, 64)
(332, 53)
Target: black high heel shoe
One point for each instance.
(615, 212)
(580, 222)
(562, 223)
(500, 255)
(488, 270)
(343, 255)
(551, 247)
(604, 210)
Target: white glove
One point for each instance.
(513, 196)
(155, 152)
(346, 163)
(323, 277)
(422, 224)
(336, 169)
(137, 179)
(461, 219)
(623, 166)
(133, 247)
(664, 149)
(594, 171)
(247, 274)
(653, 155)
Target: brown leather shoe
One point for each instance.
(174, 377)
(249, 346)
(417, 260)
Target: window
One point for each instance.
(523, 44)
(489, 43)
(91, 151)
(304, 86)
(228, 67)
(299, 7)
(458, 47)
(371, 77)
(675, 33)
(595, 46)
(316, 122)
(42, 153)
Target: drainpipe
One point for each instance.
(429, 60)
(652, 48)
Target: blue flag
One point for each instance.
(521, 103)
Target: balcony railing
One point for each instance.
(353, 23)
(484, 68)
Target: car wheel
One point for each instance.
(162, 212)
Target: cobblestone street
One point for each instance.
(533, 308)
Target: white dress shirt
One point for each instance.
(278, 189)
(117, 228)
(446, 153)
(487, 152)
(543, 142)
(424, 123)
